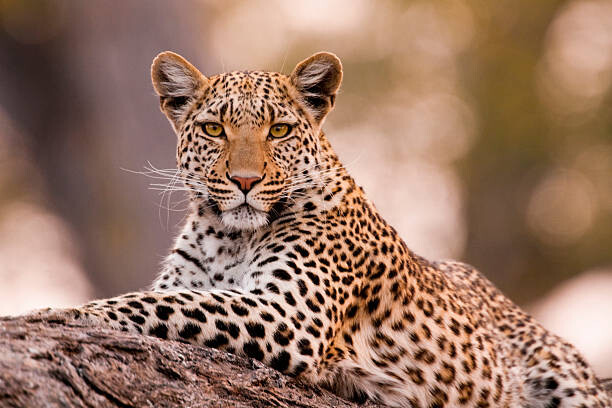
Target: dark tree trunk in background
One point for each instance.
(44, 365)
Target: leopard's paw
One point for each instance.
(60, 316)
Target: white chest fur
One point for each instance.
(205, 257)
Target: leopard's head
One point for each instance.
(248, 142)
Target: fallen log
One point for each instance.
(54, 365)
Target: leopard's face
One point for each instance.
(248, 142)
(249, 146)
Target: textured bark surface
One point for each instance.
(48, 365)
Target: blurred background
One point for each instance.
(481, 129)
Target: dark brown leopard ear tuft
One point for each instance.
(317, 79)
(177, 83)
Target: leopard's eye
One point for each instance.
(280, 130)
(213, 129)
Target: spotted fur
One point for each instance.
(301, 271)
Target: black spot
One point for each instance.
(137, 319)
(186, 296)
(149, 299)
(161, 331)
(312, 306)
(221, 325)
(304, 347)
(554, 403)
(267, 261)
(454, 326)
(303, 251)
(352, 311)
(300, 368)
(190, 330)
(125, 310)
(551, 383)
(191, 259)
(194, 314)
(380, 270)
(309, 206)
(255, 329)
(283, 335)
(233, 330)
(302, 287)
(112, 315)
(373, 305)
(278, 248)
(290, 299)
(266, 316)
(252, 349)
(172, 299)
(312, 330)
(273, 288)
(281, 274)
(163, 312)
(222, 110)
(278, 308)
(217, 341)
(239, 310)
(248, 301)
(135, 304)
(280, 362)
(314, 278)
(409, 316)
(212, 309)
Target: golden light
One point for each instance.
(576, 70)
(562, 207)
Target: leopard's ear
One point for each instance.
(178, 83)
(317, 80)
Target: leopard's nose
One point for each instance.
(245, 184)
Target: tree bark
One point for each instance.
(50, 365)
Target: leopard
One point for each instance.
(283, 259)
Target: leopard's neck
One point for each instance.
(209, 255)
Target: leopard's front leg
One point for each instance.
(280, 336)
(82, 316)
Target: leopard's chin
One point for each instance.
(244, 217)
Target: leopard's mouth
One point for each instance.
(246, 216)
(245, 206)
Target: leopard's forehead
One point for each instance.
(247, 97)
(249, 84)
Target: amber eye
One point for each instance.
(213, 129)
(280, 130)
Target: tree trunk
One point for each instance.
(48, 365)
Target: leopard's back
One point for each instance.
(549, 368)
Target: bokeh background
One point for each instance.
(481, 129)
